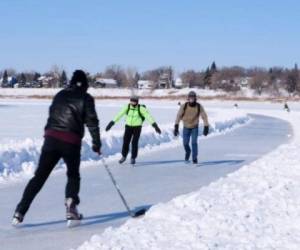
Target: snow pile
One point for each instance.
(18, 159)
(126, 92)
(108, 92)
(256, 207)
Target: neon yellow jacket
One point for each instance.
(133, 118)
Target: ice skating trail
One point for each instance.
(157, 177)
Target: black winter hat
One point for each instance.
(134, 98)
(79, 79)
(192, 94)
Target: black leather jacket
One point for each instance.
(70, 110)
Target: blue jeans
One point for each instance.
(187, 134)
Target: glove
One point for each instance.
(110, 124)
(205, 130)
(176, 130)
(157, 129)
(97, 148)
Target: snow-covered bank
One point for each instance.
(173, 93)
(18, 159)
(106, 92)
(256, 207)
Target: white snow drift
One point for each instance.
(18, 159)
(109, 92)
(256, 207)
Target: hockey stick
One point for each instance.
(131, 213)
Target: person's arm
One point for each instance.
(117, 118)
(179, 114)
(147, 115)
(205, 121)
(150, 119)
(178, 119)
(203, 116)
(92, 123)
(120, 114)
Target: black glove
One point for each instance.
(157, 129)
(97, 148)
(110, 124)
(205, 130)
(176, 130)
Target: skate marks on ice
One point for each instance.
(86, 221)
(167, 163)
(216, 163)
(204, 163)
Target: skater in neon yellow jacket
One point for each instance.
(135, 114)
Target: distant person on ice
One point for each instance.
(286, 107)
(70, 110)
(135, 115)
(189, 113)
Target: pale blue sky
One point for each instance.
(92, 34)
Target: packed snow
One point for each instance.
(244, 92)
(109, 92)
(19, 157)
(256, 207)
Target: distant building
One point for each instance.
(243, 81)
(106, 83)
(145, 84)
(178, 83)
(46, 81)
(165, 81)
(11, 81)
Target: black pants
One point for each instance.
(132, 134)
(53, 150)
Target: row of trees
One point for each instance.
(233, 78)
(54, 78)
(272, 80)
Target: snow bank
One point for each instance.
(107, 92)
(18, 159)
(256, 207)
(123, 92)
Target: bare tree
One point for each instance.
(259, 80)
(117, 73)
(132, 77)
(192, 78)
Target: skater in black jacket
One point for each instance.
(71, 109)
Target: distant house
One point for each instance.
(106, 83)
(243, 81)
(145, 84)
(178, 83)
(164, 81)
(11, 81)
(46, 81)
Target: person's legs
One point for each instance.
(195, 133)
(186, 142)
(135, 142)
(48, 159)
(71, 156)
(126, 140)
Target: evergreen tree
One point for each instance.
(292, 81)
(137, 77)
(5, 77)
(213, 68)
(207, 77)
(23, 79)
(36, 76)
(63, 80)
